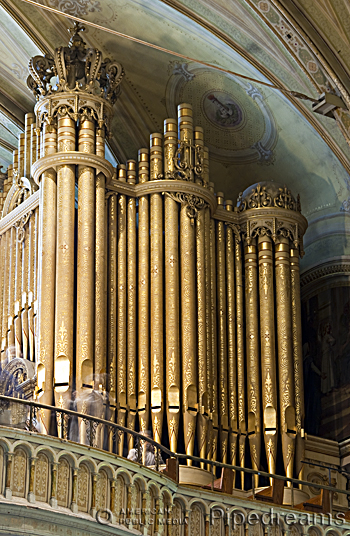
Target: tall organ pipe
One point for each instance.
(132, 302)
(86, 260)
(214, 360)
(64, 304)
(231, 337)
(100, 362)
(267, 344)
(285, 353)
(29, 121)
(112, 308)
(143, 304)
(297, 359)
(47, 282)
(100, 365)
(122, 308)
(241, 389)
(203, 409)
(172, 312)
(188, 293)
(156, 265)
(252, 348)
(222, 332)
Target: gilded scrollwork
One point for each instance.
(267, 195)
(193, 203)
(21, 226)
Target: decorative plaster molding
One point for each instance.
(325, 270)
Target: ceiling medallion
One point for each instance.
(239, 125)
(221, 109)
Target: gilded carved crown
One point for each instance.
(75, 67)
(268, 194)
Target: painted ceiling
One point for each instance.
(254, 133)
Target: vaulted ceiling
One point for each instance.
(266, 134)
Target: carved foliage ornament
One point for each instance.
(184, 170)
(193, 203)
(260, 197)
(75, 67)
(273, 228)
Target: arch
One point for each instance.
(121, 471)
(238, 516)
(314, 530)
(154, 488)
(203, 505)
(20, 472)
(84, 487)
(107, 467)
(140, 481)
(24, 445)
(42, 477)
(167, 496)
(48, 451)
(64, 481)
(331, 531)
(70, 457)
(89, 462)
(5, 444)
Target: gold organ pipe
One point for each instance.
(5, 275)
(122, 307)
(188, 329)
(15, 161)
(132, 303)
(100, 141)
(100, 365)
(205, 174)
(3, 253)
(21, 149)
(208, 324)
(86, 260)
(47, 269)
(252, 347)
(188, 292)
(267, 344)
(143, 305)
(35, 249)
(18, 293)
(222, 333)
(26, 248)
(39, 140)
(33, 142)
(156, 265)
(185, 125)
(297, 359)
(285, 353)
(18, 268)
(214, 361)
(28, 122)
(231, 337)
(203, 413)
(172, 312)
(112, 306)
(64, 306)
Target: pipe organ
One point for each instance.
(142, 286)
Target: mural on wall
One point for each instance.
(326, 351)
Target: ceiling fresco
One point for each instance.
(254, 133)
